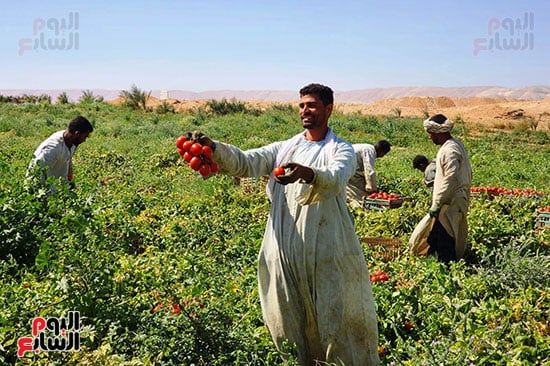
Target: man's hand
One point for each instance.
(202, 139)
(297, 172)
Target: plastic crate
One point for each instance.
(542, 221)
(387, 248)
(380, 205)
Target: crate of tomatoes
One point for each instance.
(543, 218)
(382, 201)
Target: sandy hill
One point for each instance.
(493, 112)
(497, 106)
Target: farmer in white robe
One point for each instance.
(364, 182)
(314, 285)
(451, 192)
(55, 154)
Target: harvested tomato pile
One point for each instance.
(496, 191)
(383, 196)
(544, 209)
(379, 275)
(198, 156)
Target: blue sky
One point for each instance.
(201, 45)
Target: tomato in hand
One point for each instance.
(187, 156)
(195, 163)
(196, 149)
(278, 171)
(207, 152)
(180, 141)
(205, 170)
(186, 146)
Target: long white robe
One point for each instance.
(451, 191)
(54, 154)
(314, 285)
(363, 180)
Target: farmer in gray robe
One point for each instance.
(313, 279)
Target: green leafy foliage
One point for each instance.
(161, 263)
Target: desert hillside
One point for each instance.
(493, 106)
(492, 112)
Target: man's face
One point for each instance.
(80, 137)
(313, 112)
(436, 138)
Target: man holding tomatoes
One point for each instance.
(364, 182)
(451, 191)
(314, 283)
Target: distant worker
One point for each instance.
(451, 195)
(54, 156)
(364, 180)
(427, 167)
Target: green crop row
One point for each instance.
(161, 263)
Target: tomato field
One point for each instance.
(160, 263)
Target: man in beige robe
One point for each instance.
(451, 192)
(314, 285)
(364, 181)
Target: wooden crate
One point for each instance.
(387, 248)
(380, 205)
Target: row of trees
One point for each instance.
(134, 98)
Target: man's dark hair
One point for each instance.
(438, 118)
(419, 160)
(382, 146)
(80, 124)
(321, 91)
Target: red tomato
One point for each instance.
(196, 149)
(278, 171)
(195, 163)
(181, 151)
(187, 156)
(180, 141)
(186, 146)
(207, 152)
(205, 170)
(175, 309)
(409, 325)
(157, 307)
(214, 167)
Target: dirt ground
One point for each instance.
(487, 112)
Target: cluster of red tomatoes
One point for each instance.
(379, 275)
(384, 196)
(198, 156)
(496, 191)
(544, 209)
